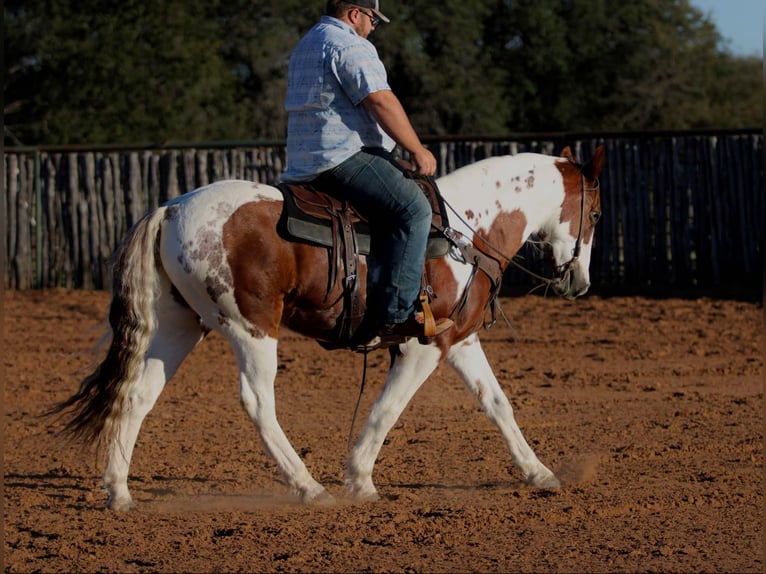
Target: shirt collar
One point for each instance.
(338, 23)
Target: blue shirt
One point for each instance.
(331, 71)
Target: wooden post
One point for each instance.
(12, 176)
(86, 261)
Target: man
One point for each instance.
(343, 122)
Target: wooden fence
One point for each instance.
(682, 211)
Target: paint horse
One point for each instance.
(213, 260)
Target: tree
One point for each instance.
(734, 92)
(85, 72)
(528, 43)
(258, 40)
(592, 64)
(88, 73)
(439, 66)
(664, 81)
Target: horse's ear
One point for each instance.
(593, 168)
(567, 154)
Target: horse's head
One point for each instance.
(569, 241)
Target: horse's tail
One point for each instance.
(102, 397)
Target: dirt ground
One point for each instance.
(650, 411)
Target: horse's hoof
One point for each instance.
(544, 481)
(367, 497)
(363, 494)
(315, 495)
(119, 504)
(324, 498)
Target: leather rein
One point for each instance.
(491, 267)
(494, 269)
(566, 268)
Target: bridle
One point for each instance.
(566, 268)
(562, 270)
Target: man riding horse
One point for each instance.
(343, 122)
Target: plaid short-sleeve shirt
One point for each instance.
(331, 71)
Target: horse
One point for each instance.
(212, 259)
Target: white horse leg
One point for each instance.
(469, 360)
(257, 359)
(178, 331)
(404, 379)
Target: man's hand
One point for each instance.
(424, 161)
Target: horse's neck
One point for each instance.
(491, 193)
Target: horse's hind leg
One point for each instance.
(178, 331)
(469, 360)
(257, 360)
(407, 374)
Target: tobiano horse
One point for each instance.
(213, 260)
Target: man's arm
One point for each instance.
(387, 110)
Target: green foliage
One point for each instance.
(440, 68)
(258, 40)
(144, 71)
(735, 95)
(91, 71)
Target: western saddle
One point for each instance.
(317, 218)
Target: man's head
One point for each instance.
(362, 15)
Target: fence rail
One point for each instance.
(682, 211)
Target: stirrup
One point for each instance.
(429, 323)
(438, 328)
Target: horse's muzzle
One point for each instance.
(567, 285)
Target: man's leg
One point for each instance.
(400, 217)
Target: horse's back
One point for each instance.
(221, 198)
(494, 170)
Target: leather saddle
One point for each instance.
(310, 216)
(318, 218)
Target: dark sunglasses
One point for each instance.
(374, 20)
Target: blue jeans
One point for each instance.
(399, 216)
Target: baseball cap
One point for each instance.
(373, 5)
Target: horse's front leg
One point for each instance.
(469, 360)
(257, 360)
(407, 374)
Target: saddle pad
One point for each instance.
(308, 214)
(307, 217)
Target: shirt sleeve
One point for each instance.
(360, 71)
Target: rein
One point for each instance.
(492, 268)
(358, 401)
(565, 267)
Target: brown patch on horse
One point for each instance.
(261, 268)
(505, 234)
(576, 177)
(445, 288)
(276, 281)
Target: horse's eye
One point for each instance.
(595, 216)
